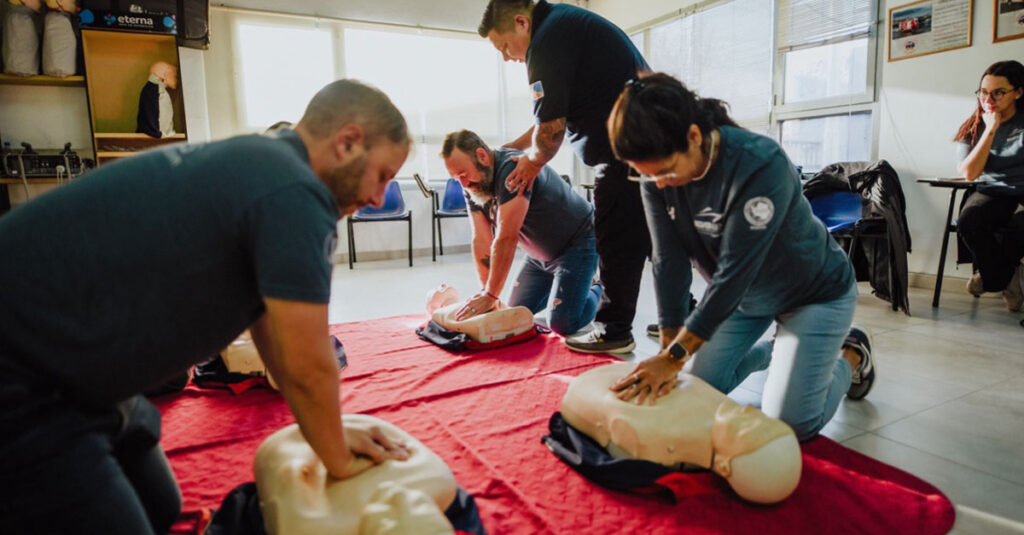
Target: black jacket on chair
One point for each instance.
(884, 264)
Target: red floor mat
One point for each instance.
(484, 414)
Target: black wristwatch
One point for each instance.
(677, 352)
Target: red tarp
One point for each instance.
(484, 414)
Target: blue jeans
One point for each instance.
(806, 376)
(563, 285)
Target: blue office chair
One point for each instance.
(393, 209)
(451, 204)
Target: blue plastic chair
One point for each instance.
(843, 216)
(839, 211)
(393, 209)
(451, 204)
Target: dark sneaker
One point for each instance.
(654, 330)
(595, 342)
(859, 340)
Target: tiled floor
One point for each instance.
(948, 405)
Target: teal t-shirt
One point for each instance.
(136, 270)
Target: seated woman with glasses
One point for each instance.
(990, 148)
(729, 201)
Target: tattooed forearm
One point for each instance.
(547, 139)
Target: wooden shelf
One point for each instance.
(115, 154)
(70, 81)
(33, 180)
(110, 135)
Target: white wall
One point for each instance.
(922, 102)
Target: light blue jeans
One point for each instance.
(563, 285)
(807, 377)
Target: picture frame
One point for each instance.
(929, 26)
(1007, 20)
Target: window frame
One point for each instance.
(780, 111)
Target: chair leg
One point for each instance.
(410, 239)
(351, 245)
(440, 237)
(433, 240)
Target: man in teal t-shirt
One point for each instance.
(139, 269)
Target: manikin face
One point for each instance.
(475, 173)
(361, 177)
(992, 85)
(679, 168)
(513, 44)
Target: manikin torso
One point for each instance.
(395, 497)
(443, 303)
(694, 424)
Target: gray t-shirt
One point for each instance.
(1004, 168)
(142, 267)
(750, 233)
(557, 216)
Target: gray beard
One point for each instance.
(483, 192)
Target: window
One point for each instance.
(722, 52)
(439, 83)
(519, 115)
(282, 67)
(824, 81)
(816, 142)
(825, 51)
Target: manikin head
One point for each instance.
(395, 497)
(695, 424)
(470, 161)
(507, 25)
(166, 72)
(357, 141)
(440, 297)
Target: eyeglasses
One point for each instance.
(996, 95)
(651, 178)
(660, 176)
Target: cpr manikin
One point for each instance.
(443, 303)
(395, 497)
(694, 424)
(156, 109)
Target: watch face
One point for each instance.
(677, 351)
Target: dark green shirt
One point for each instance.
(140, 268)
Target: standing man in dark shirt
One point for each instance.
(577, 63)
(135, 271)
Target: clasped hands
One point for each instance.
(650, 380)
(480, 303)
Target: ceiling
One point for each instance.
(461, 15)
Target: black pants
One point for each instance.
(980, 217)
(623, 243)
(66, 468)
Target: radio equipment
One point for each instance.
(29, 163)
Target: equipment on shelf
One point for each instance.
(29, 163)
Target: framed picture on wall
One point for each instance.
(1008, 21)
(929, 26)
